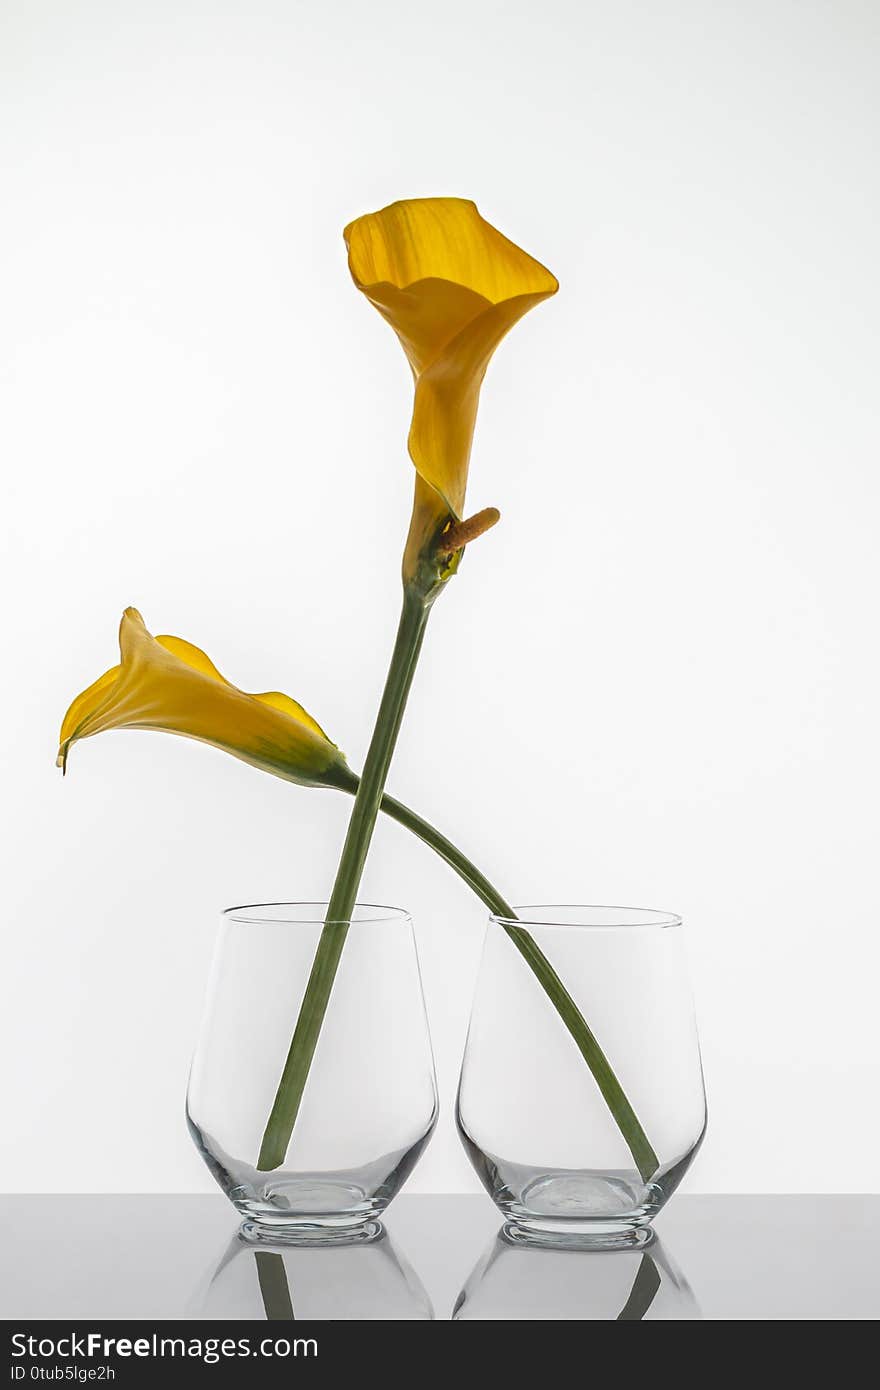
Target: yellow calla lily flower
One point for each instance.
(167, 684)
(451, 286)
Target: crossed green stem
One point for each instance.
(369, 800)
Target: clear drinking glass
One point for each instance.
(370, 1101)
(530, 1113)
(512, 1283)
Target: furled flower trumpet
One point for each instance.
(167, 684)
(451, 286)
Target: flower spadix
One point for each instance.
(167, 684)
(450, 285)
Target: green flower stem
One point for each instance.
(367, 801)
(615, 1098)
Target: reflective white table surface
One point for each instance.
(716, 1258)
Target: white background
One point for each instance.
(656, 682)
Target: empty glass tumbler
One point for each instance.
(581, 1100)
(370, 1100)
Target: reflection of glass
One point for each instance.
(370, 1101)
(364, 1281)
(515, 1282)
(537, 1121)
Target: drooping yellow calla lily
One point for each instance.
(451, 286)
(167, 684)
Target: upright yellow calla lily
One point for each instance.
(451, 286)
(167, 684)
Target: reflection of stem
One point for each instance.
(274, 1286)
(643, 1291)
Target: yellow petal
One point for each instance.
(82, 708)
(428, 516)
(166, 683)
(195, 657)
(443, 239)
(447, 396)
(451, 286)
(192, 656)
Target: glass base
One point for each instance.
(577, 1235)
(576, 1209)
(311, 1232)
(310, 1211)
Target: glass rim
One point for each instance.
(261, 914)
(565, 915)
